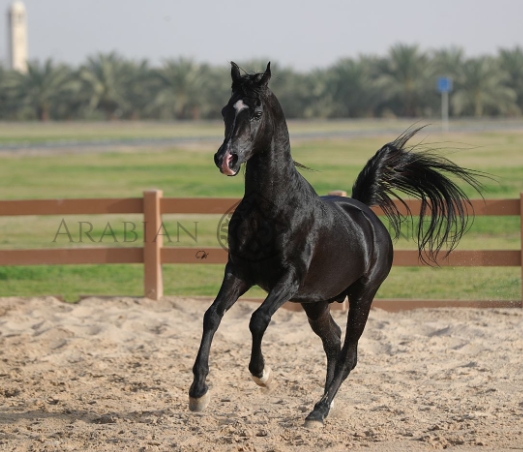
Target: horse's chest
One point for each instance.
(255, 237)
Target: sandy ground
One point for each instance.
(108, 375)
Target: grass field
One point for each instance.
(191, 172)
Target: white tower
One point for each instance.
(17, 39)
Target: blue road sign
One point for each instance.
(444, 84)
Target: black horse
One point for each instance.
(316, 250)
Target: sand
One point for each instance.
(113, 375)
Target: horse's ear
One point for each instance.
(264, 81)
(235, 72)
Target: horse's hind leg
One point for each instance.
(232, 288)
(327, 329)
(361, 294)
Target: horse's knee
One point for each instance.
(211, 319)
(259, 322)
(353, 362)
(336, 328)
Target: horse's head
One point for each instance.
(246, 117)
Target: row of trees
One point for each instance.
(402, 83)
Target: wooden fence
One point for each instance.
(153, 254)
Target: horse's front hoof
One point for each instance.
(314, 420)
(313, 424)
(265, 380)
(199, 404)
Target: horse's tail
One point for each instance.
(422, 175)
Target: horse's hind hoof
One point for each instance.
(313, 424)
(265, 380)
(199, 404)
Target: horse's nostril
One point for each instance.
(234, 159)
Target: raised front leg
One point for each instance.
(284, 290)
(232, 288)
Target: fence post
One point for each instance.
(153, 242)
(521, 219)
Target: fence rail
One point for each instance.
(153, 254)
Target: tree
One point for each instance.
(483, 90)
(448, 62)
(402, 83)
(318, 102)
(41, 88)
(4, 101)
(179, 88)
(216, 90)
(136, 89)
(352, 90)
(292, 89)
(103, 79)
(404, 78)
(512, 63)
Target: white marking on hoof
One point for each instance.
(313, 424)
(265, 379)
(199, 404)
(332, 405)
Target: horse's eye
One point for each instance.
(256, 116)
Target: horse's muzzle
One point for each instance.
(227, 162)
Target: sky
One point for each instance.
(303, 34)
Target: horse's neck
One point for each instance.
(272, 173)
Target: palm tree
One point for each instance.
(448, 62)
(103, 78)
(41, 88)
(404, 78)
(215, 90)
(512, 63)
(318, 102)
(292, 90)
(136, 89)
(179, 88)
(4, 105)
(483, 89)
(352, 89)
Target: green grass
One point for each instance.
(55, 132)
(204, 280)
(191, 172)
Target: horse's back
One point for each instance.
(357, 213)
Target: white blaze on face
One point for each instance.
(225, 166)
(239, 106)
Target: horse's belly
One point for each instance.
(331, 272)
